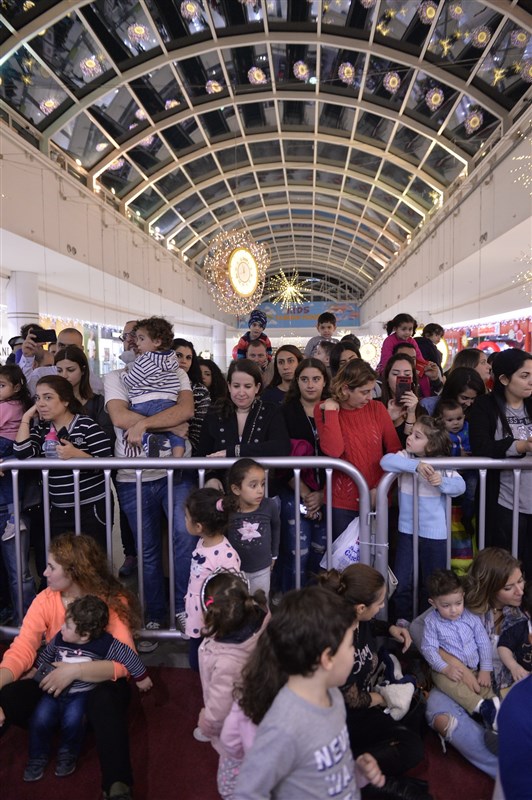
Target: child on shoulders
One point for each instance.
(326, 326)
(400, 329)
(257, 323)
(452, 628)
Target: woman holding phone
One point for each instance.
(400, 394)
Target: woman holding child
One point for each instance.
(76, 567)
(494, 591)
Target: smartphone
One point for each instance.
(42, 672)
(402, 385)
(45, 337)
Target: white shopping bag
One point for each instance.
(346, 548)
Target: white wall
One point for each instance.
(465, 266)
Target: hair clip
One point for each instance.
(220, 504)
(205, 597)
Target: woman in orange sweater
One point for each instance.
(76, 567)
(354, 427)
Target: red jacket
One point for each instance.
(361, 436)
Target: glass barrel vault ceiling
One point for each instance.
(328, 128)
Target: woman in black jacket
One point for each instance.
(309, 385)
(500, 426)
(242, 424)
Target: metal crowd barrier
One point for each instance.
(374, 541)
(168, 465)
(381, 538)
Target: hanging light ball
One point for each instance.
(190, 10)
(117, 164)
(519, 38)
(256, 76)
(392, 82)
(171, 104)
(90, 67)
(456, 10)
(140, 114)
(434, 98)
(48, 105)
(213, 87)
(101, 146)
(480, 37)
(427, 12)
(368, 3)
(301, 71)
(138, 33)
(346, 73)
(473, 122)
(235, 269)
(526, 71)
(147, 141)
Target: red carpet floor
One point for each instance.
(170, 765)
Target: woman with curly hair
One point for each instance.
(189, 362)
(354, 427)
(76, 566)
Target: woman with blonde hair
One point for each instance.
(354, 427)
(76, 567)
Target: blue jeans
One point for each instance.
(432, 556)
(313, 536)
(67, 711)
(9, 556)
(151, 407)
(154, 505)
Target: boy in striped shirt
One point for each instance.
(82, 638)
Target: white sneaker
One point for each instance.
(180, 621)
(9, 530)
(199, 736)
(149, 645)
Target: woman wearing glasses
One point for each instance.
(352, 426)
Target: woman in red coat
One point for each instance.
(354, 427)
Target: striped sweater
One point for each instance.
(104, 648)
(153, 376)
(87, 436)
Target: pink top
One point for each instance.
(387, 350)
(238, 734)
(45, 617)
(11, 412)
(204, 561)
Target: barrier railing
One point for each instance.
(374, 544)
(167, 467)
(381, 539)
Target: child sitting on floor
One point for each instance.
(452, 628)
(82, 638)
(301, 747)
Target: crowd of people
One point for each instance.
(299, 700)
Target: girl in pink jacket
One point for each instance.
(234, 620)
(400, 329)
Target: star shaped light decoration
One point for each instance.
(288, 290)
